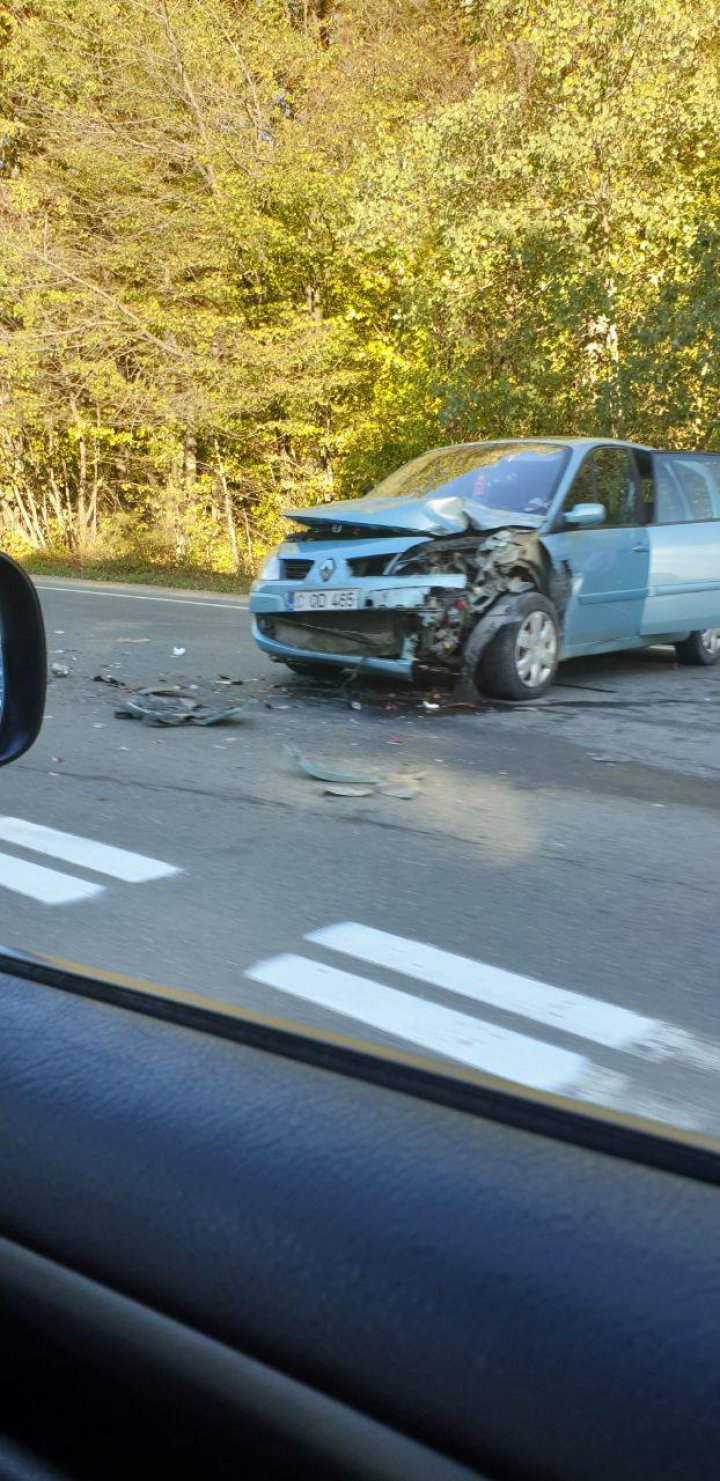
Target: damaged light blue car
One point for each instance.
(490, 563)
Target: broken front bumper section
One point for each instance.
(362, 634)
(446, 598)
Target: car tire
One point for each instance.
(521, 660)
(309, 670)
(700, 649)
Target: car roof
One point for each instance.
(575, 442)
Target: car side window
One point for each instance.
(608, 476)
(616, 484)
(646, 494)
(583, 488)
(670, 504)
(687, 487)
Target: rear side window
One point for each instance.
(687, 487)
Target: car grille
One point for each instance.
(371, 565)
(294, 570)
(347, 634)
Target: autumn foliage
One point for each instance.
(257, 252)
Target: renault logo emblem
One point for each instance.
(326, 569)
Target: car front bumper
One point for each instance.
(399, 668)
(380, 635)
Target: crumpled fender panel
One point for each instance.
(499, 566)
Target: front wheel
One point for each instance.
(701, 648)
(521, 660)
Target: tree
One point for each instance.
(254, 255)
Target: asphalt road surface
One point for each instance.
(543, 905)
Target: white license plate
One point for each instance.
(342, 598)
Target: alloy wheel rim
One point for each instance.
(536, 649)
(710, 639)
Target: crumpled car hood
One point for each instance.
(423, 516)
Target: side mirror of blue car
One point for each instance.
(582, 516)
(23, 670)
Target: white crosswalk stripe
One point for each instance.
(101, 858)
(454, 1030)
(483, 1046)
(587, 1018)
(55, 887)
(49, 886)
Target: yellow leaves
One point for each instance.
(403, 241)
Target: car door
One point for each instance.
(608, 563)
(684, 583)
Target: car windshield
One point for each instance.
(518, 477)
(433, 772)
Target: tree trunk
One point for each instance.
(248, 536)
(229, 515)
(82, 511)
(94, 492)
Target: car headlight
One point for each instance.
(271, 569)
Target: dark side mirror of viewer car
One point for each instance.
(582, 516)
(23, 670)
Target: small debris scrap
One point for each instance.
(338, 789)
(178, 652)
(59, 670)
(108, 679)
(404, 794)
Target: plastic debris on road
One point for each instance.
(176, 706)
(322, 773)
(339, 789)
(178, 652)
(59, 670)
(356, 784)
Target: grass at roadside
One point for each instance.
(192, 578)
